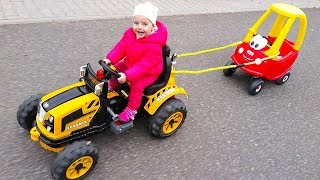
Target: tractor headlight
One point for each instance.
(48, 124)
(51, 119)
(41, 112)
(98, 89)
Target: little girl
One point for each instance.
(138, 56)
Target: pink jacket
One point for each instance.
(143, 57)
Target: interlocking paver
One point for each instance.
(22, 11)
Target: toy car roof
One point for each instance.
(287, 14)
(287, 10)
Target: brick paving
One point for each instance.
(26, 11)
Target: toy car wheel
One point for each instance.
(27, 112)
(75, 161)
(229, 72)
(168, 118)
(256, 86)
(283, 79)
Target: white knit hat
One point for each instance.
(148, 10)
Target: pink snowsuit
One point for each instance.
(141, 62)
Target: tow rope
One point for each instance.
(257, 61)
(208, 50)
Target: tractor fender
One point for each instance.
(161, 96)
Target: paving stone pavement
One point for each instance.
(30, 11)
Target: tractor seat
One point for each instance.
(164, 76)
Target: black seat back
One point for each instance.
(164, 76)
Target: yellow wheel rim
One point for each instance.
(79, 167)
(172, 123)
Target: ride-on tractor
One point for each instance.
(274, 54)
(62, 119)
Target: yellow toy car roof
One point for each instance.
(287, 10)
(287, 14)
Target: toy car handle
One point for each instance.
(109, 68)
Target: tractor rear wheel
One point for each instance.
(168, 118)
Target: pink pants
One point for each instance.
(136, 87)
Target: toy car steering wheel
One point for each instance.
(109, 69)
(269, 42)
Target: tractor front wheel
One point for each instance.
(75, 161)
(168, 118)
(27, 112)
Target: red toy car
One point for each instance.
(273, 55)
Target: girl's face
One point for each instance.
(142, 26)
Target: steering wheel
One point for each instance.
(109, 69)
(269, 42)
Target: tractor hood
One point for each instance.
(63, 95)
(66, 110)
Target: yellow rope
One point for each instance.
(219, 67)
(209, 50)
(204, 70)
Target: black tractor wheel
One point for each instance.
(256, 86)
(283, 79)
(27, 112)
(75, 161)
(229, 72)
(168, 118)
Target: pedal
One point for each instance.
(118, 127)
(112, 94)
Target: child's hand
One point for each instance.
(107, 61)
(122, 78)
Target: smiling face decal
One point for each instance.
(257, 43)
